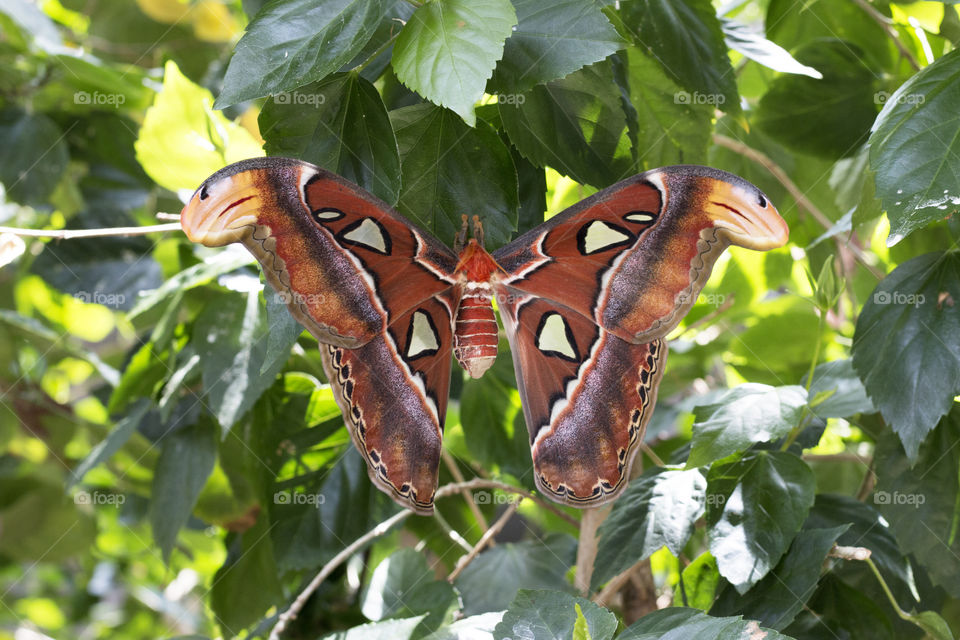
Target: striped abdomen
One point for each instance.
(475, 332)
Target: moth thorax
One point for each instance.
(476, 332)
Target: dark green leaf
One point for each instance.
(479, 627)
(671, 127)
(294, 42)
(679, 623)
(657, 509)
(906, 347)
(33, 156)
(491, 581)
(186, 460)
(447, 50)
(551, 615)
(574, 125)
(777, 599)
(866, 528)
(532, 182)
(755, 506)
(231, 337)
(838, 610)
(340, 124)
(847, 395)
(450, 170)
(686, 37)
(914, 148)
(283, 330)
(117, 437)
(552, 39)
(40, 523)
(744, 416)
(830, 117)
(919, 499)
(247, 583)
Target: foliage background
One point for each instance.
(173, 464)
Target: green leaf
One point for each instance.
(183, 140)
(340, 124)
(744, 416)
(40, 523)
(387, 630)
(247, 584)
(906, 347)
(777, 599)
(117, 437)
(829, 117)
(914, 147)
(679, 623)
(671, 129)
(755, 506)
(743, 39)
(448, 49)
(931, 622)
(403, 585)
(657, 509)
(550, 615)
(686, 37)
(847, 395)
(581, 630)
(447, 166)
(700, 580)
(574, 125)
(33, 156)
(291, 43)
(231, 337)
(491, 581)
(283, 330)
(923, 489)
(186, 460)
(552, 39)
(838, 610)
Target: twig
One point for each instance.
(587, 547)
(486, 538)
(657, 460)
(452, 533)
(168, 216)
(69, 234)
(796, 193)
(458, 477)
(885, 24)
(445, 491)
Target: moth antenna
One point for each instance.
(477, 229)
(460, 241)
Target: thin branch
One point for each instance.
(891, 31)
(486, 538)
(452, 533)
(69, 234)
(657, 460)
(458, 477)
(168, 216)
(587, 547)
(483, 483)
(796, 193)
